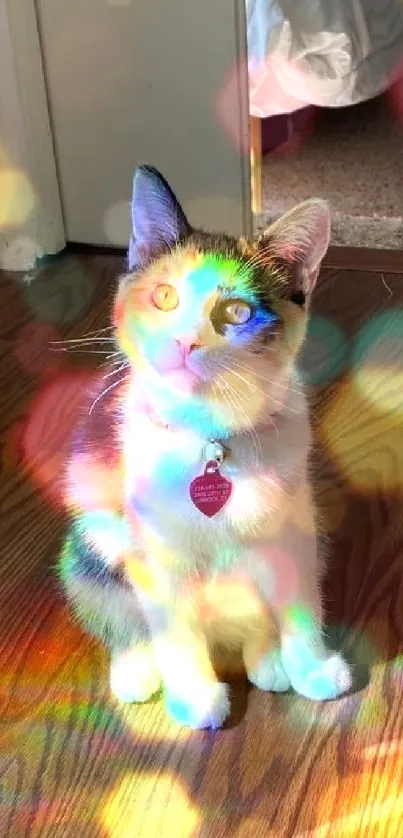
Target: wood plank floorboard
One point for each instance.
(75, 764)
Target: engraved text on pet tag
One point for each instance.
(211, 491)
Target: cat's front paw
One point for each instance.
(321, 678)
(133, 675)
(207, 705)
(270, 674)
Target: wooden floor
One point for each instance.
(74, 763)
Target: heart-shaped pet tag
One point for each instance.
(211, 491)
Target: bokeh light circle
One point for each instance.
(226, 106)
(365, 442)
(377, 361)
(116, 224)
(17, 198)
(324, 355)
(48, 427)
(158, 799)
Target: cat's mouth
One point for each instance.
(196, 366)
(187, 375)
(182, 380)
(171, 362)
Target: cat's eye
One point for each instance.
(237, 312)
(165, 297)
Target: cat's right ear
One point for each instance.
(157, 217)
(300, 239)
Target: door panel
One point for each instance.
(132, 82)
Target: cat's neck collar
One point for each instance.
(214, 448)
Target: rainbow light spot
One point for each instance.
(352, 791)
(324, 355)
(302, 618)
(142, 576)
(107, 532)
(146, 806)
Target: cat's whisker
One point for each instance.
(287, 388)
(253, 372)
(228, 399)
(112, 362)
(273, 420)
(82, 341)
(223, 390)
(73, 350)
(96, 332)
(242, 378)
(281, 386)
(122, 367)
(284, 407)
(107, 389)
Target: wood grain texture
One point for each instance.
(73, 763)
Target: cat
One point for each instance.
(193, 525)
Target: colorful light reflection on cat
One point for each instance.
(207, 329)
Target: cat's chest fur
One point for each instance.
(161, 464)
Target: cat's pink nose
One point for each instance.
(187, 345)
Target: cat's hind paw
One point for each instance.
(325, 678)
(206, 707)
(270, 674)
(133, 675)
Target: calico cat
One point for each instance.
(193, 526)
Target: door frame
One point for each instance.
(26, 139)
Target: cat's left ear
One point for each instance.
(299, 240)
(157, 217)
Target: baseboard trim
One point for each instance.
(371, 259)
(95, 249)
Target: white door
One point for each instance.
(156, 81)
